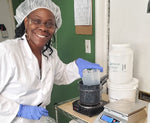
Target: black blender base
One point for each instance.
(88, 110)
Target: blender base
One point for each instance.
(88, 110)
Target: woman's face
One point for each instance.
(40, 26)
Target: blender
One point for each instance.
(90, 102)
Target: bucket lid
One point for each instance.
(133, 84)
(123, 45)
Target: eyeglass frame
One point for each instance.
(38, 22)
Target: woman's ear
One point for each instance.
(25, 22)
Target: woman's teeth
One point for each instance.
(41, 36)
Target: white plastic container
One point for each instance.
(120, 63)
(126, 91)
(91, 77)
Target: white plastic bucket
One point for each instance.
(120, 63)
(126, 91)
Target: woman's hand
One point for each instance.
(84, 64)
(32, 112)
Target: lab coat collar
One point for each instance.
(32, 58)
(28, 49)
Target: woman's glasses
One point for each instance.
(38, 22)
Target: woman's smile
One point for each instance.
(41, 36)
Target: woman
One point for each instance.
(29, 65)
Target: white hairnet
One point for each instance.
(26, 7)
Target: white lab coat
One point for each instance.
(21, 81)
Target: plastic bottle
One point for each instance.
(120, 63)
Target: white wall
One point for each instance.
(101, 35)
(129, 22)
(6, 18)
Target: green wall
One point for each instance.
(70, 46)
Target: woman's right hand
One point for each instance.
(32, 112)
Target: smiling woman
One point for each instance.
(29, 65)
(39, 27)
